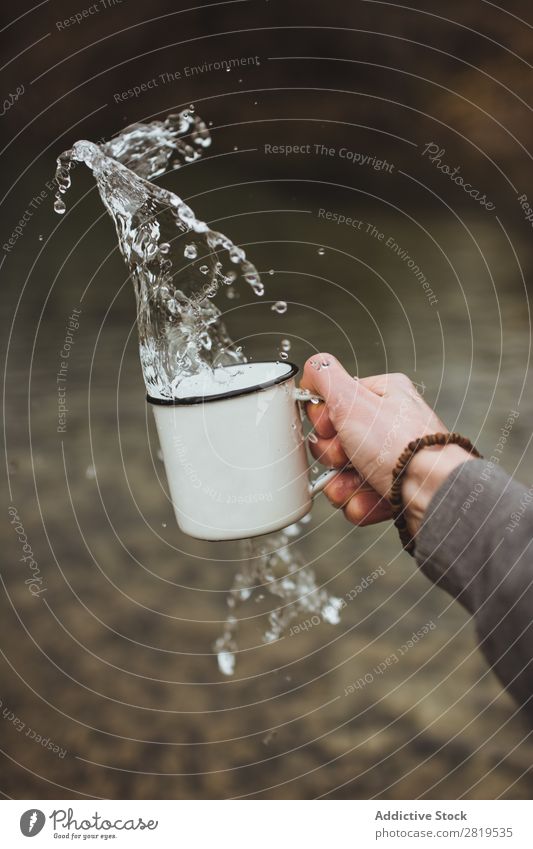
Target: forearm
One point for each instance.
(467, 544)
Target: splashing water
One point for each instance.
(177, 262)
(271, 564)
(178, 265)
(284, 348)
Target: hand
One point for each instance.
(367, 422)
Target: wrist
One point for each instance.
(425, 473)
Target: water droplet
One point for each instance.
(205, 340)
(226, 659)
(285, 345)
(173, 306)
(269, 737)
(314, 469)
(59, 206)
(305, 519)
(164, 248)
(325, 363)
(190, 252)
(283, 355)
(237, 254)
(230, 293)
(90, 472)
(163, 524)
(204, 269)
(313, 438)
(315, 365)
(235, 147)
(321, 252)
(315, 400)
(280, 307)
(186, 214)
(271, 272)
(41, 237)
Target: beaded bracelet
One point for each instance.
(395, 495)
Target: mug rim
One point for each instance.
(191, 400)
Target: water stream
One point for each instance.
(178, 266)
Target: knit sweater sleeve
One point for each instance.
(476, 543)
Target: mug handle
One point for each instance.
(322, 481)
(304, 395)
(316, 486)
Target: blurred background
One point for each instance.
(110, 687)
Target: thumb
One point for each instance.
(325, 376)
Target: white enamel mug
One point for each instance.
(234, 451)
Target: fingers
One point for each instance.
(329, 452)
(345, 396)
(342, 487)
(319, 418)
(367, 508)
(324, 375)
(377, 383)
(361, 504)
(385, 384)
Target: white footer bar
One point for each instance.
(267, 824)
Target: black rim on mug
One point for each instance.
(232, 393)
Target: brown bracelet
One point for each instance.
(395, 495)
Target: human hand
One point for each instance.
(367, 422)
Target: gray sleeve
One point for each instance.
(475, 543)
